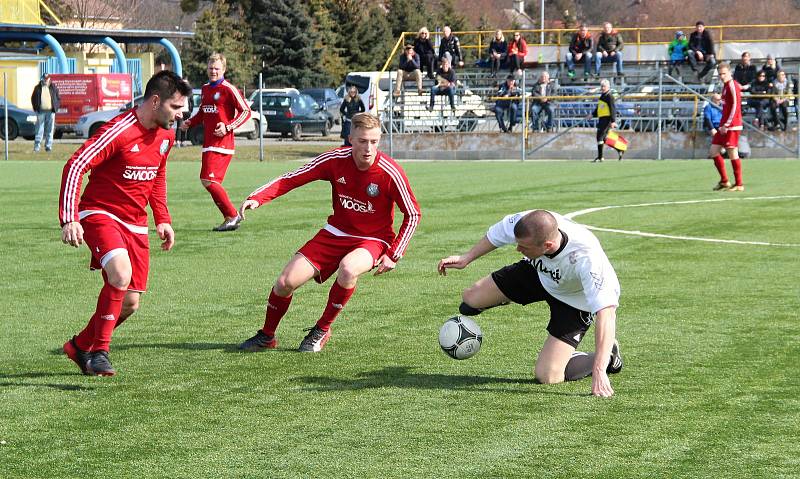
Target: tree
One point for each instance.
(285, 43)
(219, 31)
(407, 16)
(364, 33)
(448, 15)
(333, 65)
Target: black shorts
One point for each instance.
(603, 125)
(520, 283)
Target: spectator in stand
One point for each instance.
(507, 90)
(351, 105)
(46, 101)
(796, 103)
(580, 49)
(445, 85)
(712, 114)
(609, 49)
(701, 49)
(517, 49)
(677, 50)
(409, 70)
(540, 102)
(760, 103)
(771, 68)
(498, 49)
(426, 52)
(745, 72)
(450, 48)
(779, 104)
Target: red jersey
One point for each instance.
(363, 201)
(732, 105)
(220, 102)
(128, 163)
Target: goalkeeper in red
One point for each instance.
(365, 185)
(127, 158)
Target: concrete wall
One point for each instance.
(576, 145)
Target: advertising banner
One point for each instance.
(85, 93)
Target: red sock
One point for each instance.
(737, 171)
(96, 335)
(276, 308)
(220, 197)
(337, 298)
(719, 162)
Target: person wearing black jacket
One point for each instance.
(46, 101)
(580, 49)
(745, 72)
(446, 85)
(606, 114)
(426, 52)
(450, 48)
(701, 49)
(498, 50)
(760, 86)
(511, 94)
(351, 105)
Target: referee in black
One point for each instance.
(606, 114)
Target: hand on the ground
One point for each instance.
(166, 233)
(384, 264)
(72, 234)
(601, 385)
(456, 262)
(247, 205)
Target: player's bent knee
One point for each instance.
(548, 375)
(468, 310)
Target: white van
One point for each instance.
(372, 90)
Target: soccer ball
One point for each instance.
(460, 337)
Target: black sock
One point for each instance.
(600, 150)
(579, 366)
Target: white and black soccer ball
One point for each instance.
(460, 337)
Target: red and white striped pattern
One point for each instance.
(305, 169)
(241, 105)
(82, 163)
(732, 96)
(412, 212)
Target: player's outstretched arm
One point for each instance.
(167, 234)
(461, 261)
(248, 205)
(605, 331)
(72, 234)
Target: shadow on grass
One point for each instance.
(4, 383)
(227, 347)
(404, 377)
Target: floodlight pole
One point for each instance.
(660, 96)
(524, 129)
(5, 115)
(261, 117)
(391, 115)
(541, 37)
(796, 112)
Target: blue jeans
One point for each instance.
(45, 125)
(500, 113)
(587, 62)
(599, 59)
(536, 110)
(436, 90)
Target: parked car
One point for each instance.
(20, 121)
(292, 113)
(328, 100)
(89, 123)
(249, 129)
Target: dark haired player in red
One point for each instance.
(730, 127)
(128, 158)
(222, 110)
(365, 185)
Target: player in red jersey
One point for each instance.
(128, 158)
(730, 127)
(222, 110)
(366, 183)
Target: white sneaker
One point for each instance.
(229, 225)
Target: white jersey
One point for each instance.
(579, 275)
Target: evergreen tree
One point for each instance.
(364, 33)
(333, 65)
(448, 15)
(407, 16)
(285, 42)
(218, 30)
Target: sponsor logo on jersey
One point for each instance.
(372, 190)
(555, 274)
(164, 146)
(140, 173)
(349, 203)
(341, 180)
(209, 108)
(216, 96)
(135, 148)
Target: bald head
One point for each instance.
(538, 225)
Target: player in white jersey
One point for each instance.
(565, 266)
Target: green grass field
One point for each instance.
(709, 333)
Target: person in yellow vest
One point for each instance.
(605, 112)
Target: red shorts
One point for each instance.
(325, 251)
(215, 165)
(107, 238)
(729, 140)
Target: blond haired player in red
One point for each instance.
(222, 110)
(730, 127)
(128, 159)
(365, 185)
